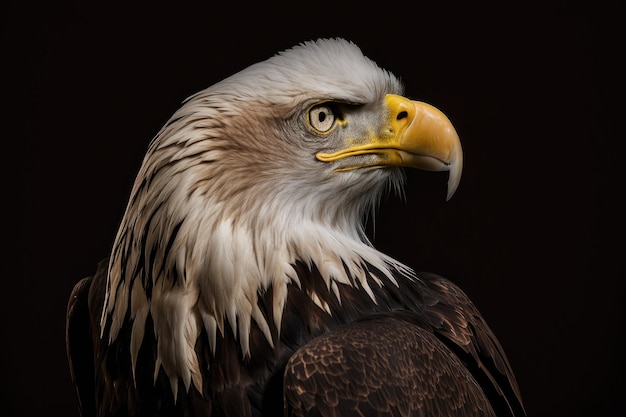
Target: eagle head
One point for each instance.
(274, 165)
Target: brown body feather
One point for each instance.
(424, 346)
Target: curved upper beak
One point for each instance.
(415, 134)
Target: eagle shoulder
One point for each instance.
(79, 346)
(382, 365)
(429, 344)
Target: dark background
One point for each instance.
(533, 234)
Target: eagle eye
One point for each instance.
(322, 117)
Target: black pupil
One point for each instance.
(321, 116)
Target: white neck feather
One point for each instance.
(226, 266)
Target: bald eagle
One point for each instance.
(241, 281)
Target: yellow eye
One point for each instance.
(322, 118)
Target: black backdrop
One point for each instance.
(532, 234)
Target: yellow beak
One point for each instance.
(415, 134)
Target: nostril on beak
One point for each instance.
(402, 115)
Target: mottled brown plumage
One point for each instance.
(381, 365)
(437, 359)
